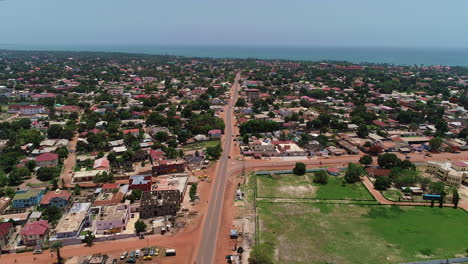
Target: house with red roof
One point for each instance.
(6, 229)
(333, 171)
(134, 132)
(47, 160)
(215, 133)
(110, 186)
(379, 123)
(35, 233)
(57, 198)
(377, 172)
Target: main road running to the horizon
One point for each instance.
(207, 248)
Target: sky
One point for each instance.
(350, 23)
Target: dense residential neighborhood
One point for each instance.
(108, 146)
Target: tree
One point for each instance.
(300, 168)
(140, 226)
(111, 157)
(353, 173)
(435, 143)
(89, 238)
(437, 187)
(54, 131)
(162, 136)
(240, 102)
(375, 150)
(31, 164)
(382, 183)
(321, 177)
(425, 182)
(137, 193)
(77, 190)
(17, 175)
(56, 246)
(193, 192)
(62, 152)
(214, 152)
(46, 173)
(442, 198)
(52, 214)
(388, 160)
(366, 160)
(245, 139)
(407, 164)
(362, 131)
(455, 198)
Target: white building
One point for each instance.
(453, 174)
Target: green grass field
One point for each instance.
(199, 145)
(293, 186)
(333, 233)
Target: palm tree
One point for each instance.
(56, 246)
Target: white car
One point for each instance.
(124, 255)
(137, 253)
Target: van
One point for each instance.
(170, 252)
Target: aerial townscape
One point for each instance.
(130, 158)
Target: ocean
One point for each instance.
(396, 56)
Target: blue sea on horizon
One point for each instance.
(396, 56)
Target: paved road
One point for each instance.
(207, 249)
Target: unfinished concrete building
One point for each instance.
(159, 203)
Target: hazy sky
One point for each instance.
(401, 23)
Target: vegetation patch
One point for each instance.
(334, 233)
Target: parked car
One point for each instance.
(147, 258)
(124, 255)
(151, 253)
(132, 254)
(130, 260)
(156, 251)
(137, 253)
(114, 261)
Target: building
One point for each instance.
(71, 223)
(113, 218)
(141, 182)
(168, 166)
(289, 148)
(27, 197)
(35, 233)
(215, 133)
(252, 94)
(86, 176)
(333, 171)
(58, 198)
(135, 132)
(262, 146)
(4, 202)
(101, 164)
(6, 229)
(159, 203)
(453, 174)
(110, 187)
(47, 160)
(26, 109)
